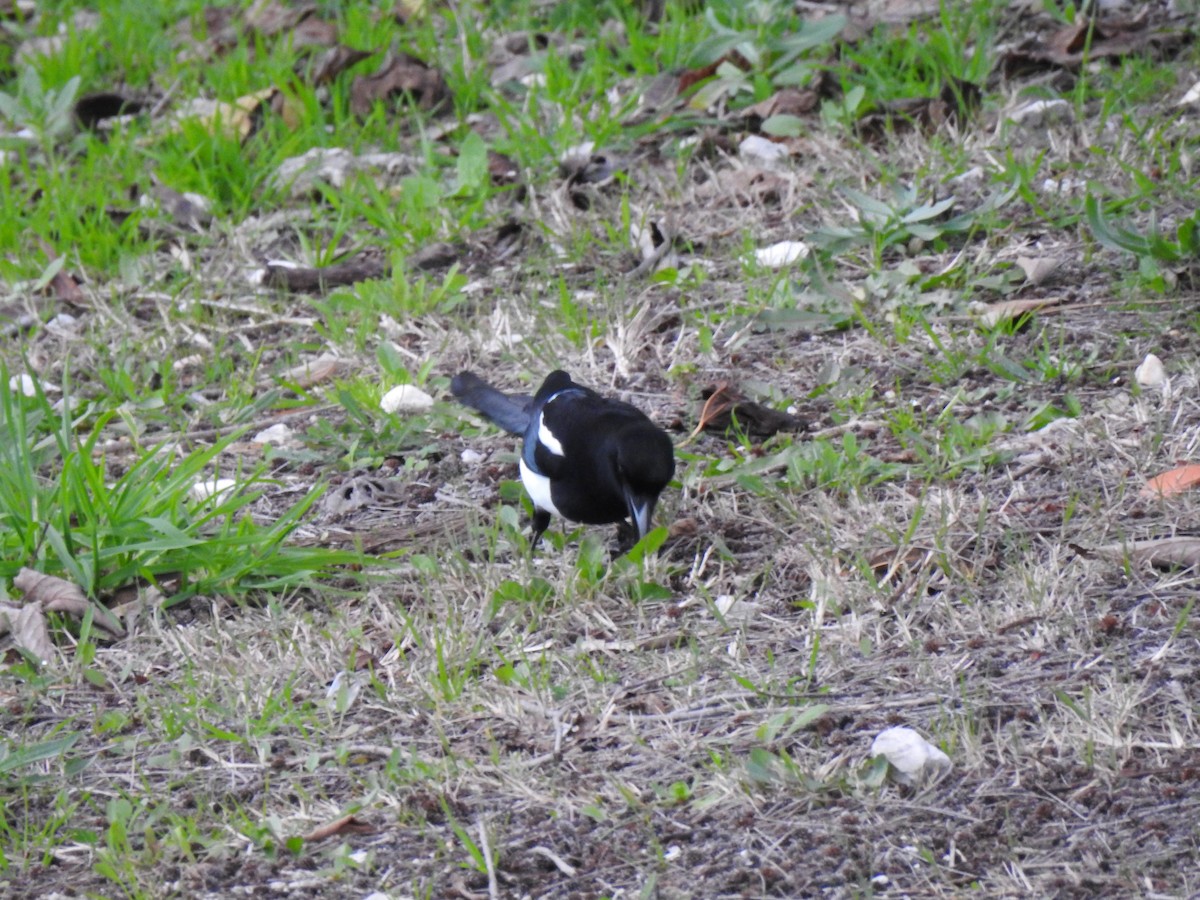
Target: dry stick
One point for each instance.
(205, 434)
(493, 885)
(559, 863)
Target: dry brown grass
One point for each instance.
(713, 742)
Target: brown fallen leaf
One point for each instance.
(502, 169)
(309, 374)
(1161, 553)
(1074, 44)
(1175, 481)
(58, 595)
(269, 17)
(239, 119)
(313, 31)
(29, 630)
(786, 102)
(333, 62)
(192, 212)
(350, 824)
(438, 255)
(398, 75)
(63, 285)
(956, 103)
(1038, 269)
(693, 77)
(992, 314)
(305, 280)
(724, 404)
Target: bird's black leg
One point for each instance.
(541, 521)
(627, 536)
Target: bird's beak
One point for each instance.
(640, 511)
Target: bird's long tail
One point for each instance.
(509, 411)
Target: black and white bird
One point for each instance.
(585, 457)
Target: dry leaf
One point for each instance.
(238, 119)
(350, 824)
(398, 75)
(1038, 269)
(28, 626)
(333, 62)
(1089, 40)
(306, 280)
(724, 404)
(1162, 553)
(1176, 481)
(787, 102)
(58, 595)
(309, 374)
(992, 314)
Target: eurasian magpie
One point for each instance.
(586, 458)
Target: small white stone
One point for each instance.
(63, 325)
(1151, 374)
(22, 384)
(578, 154)
(759, 149)
(206, 490)
(277, 435)
(407, 398)
(1191, 97)
(1039, 113)
(782, 254)
(911, 756)
(471, 457)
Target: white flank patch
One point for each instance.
(546, 437)
(539, 489)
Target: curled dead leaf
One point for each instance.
(350, 824)
(400, 74)
(29, 630)
(1170, 483)
(58, 595)
(724, 404)
(1162, 553)
(992, 314)
(1038, 268)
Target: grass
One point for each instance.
(359, 627)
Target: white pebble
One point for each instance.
(407, 398)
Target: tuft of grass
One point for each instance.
(65, 510)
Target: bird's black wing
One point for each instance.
(510, 411)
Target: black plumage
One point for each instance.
(587, 458)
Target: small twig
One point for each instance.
(559, 863)
(493, 884)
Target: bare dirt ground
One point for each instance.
(562, 724)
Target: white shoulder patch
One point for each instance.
(538, 487)
(546, 437)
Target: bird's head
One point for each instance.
(644, 459)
